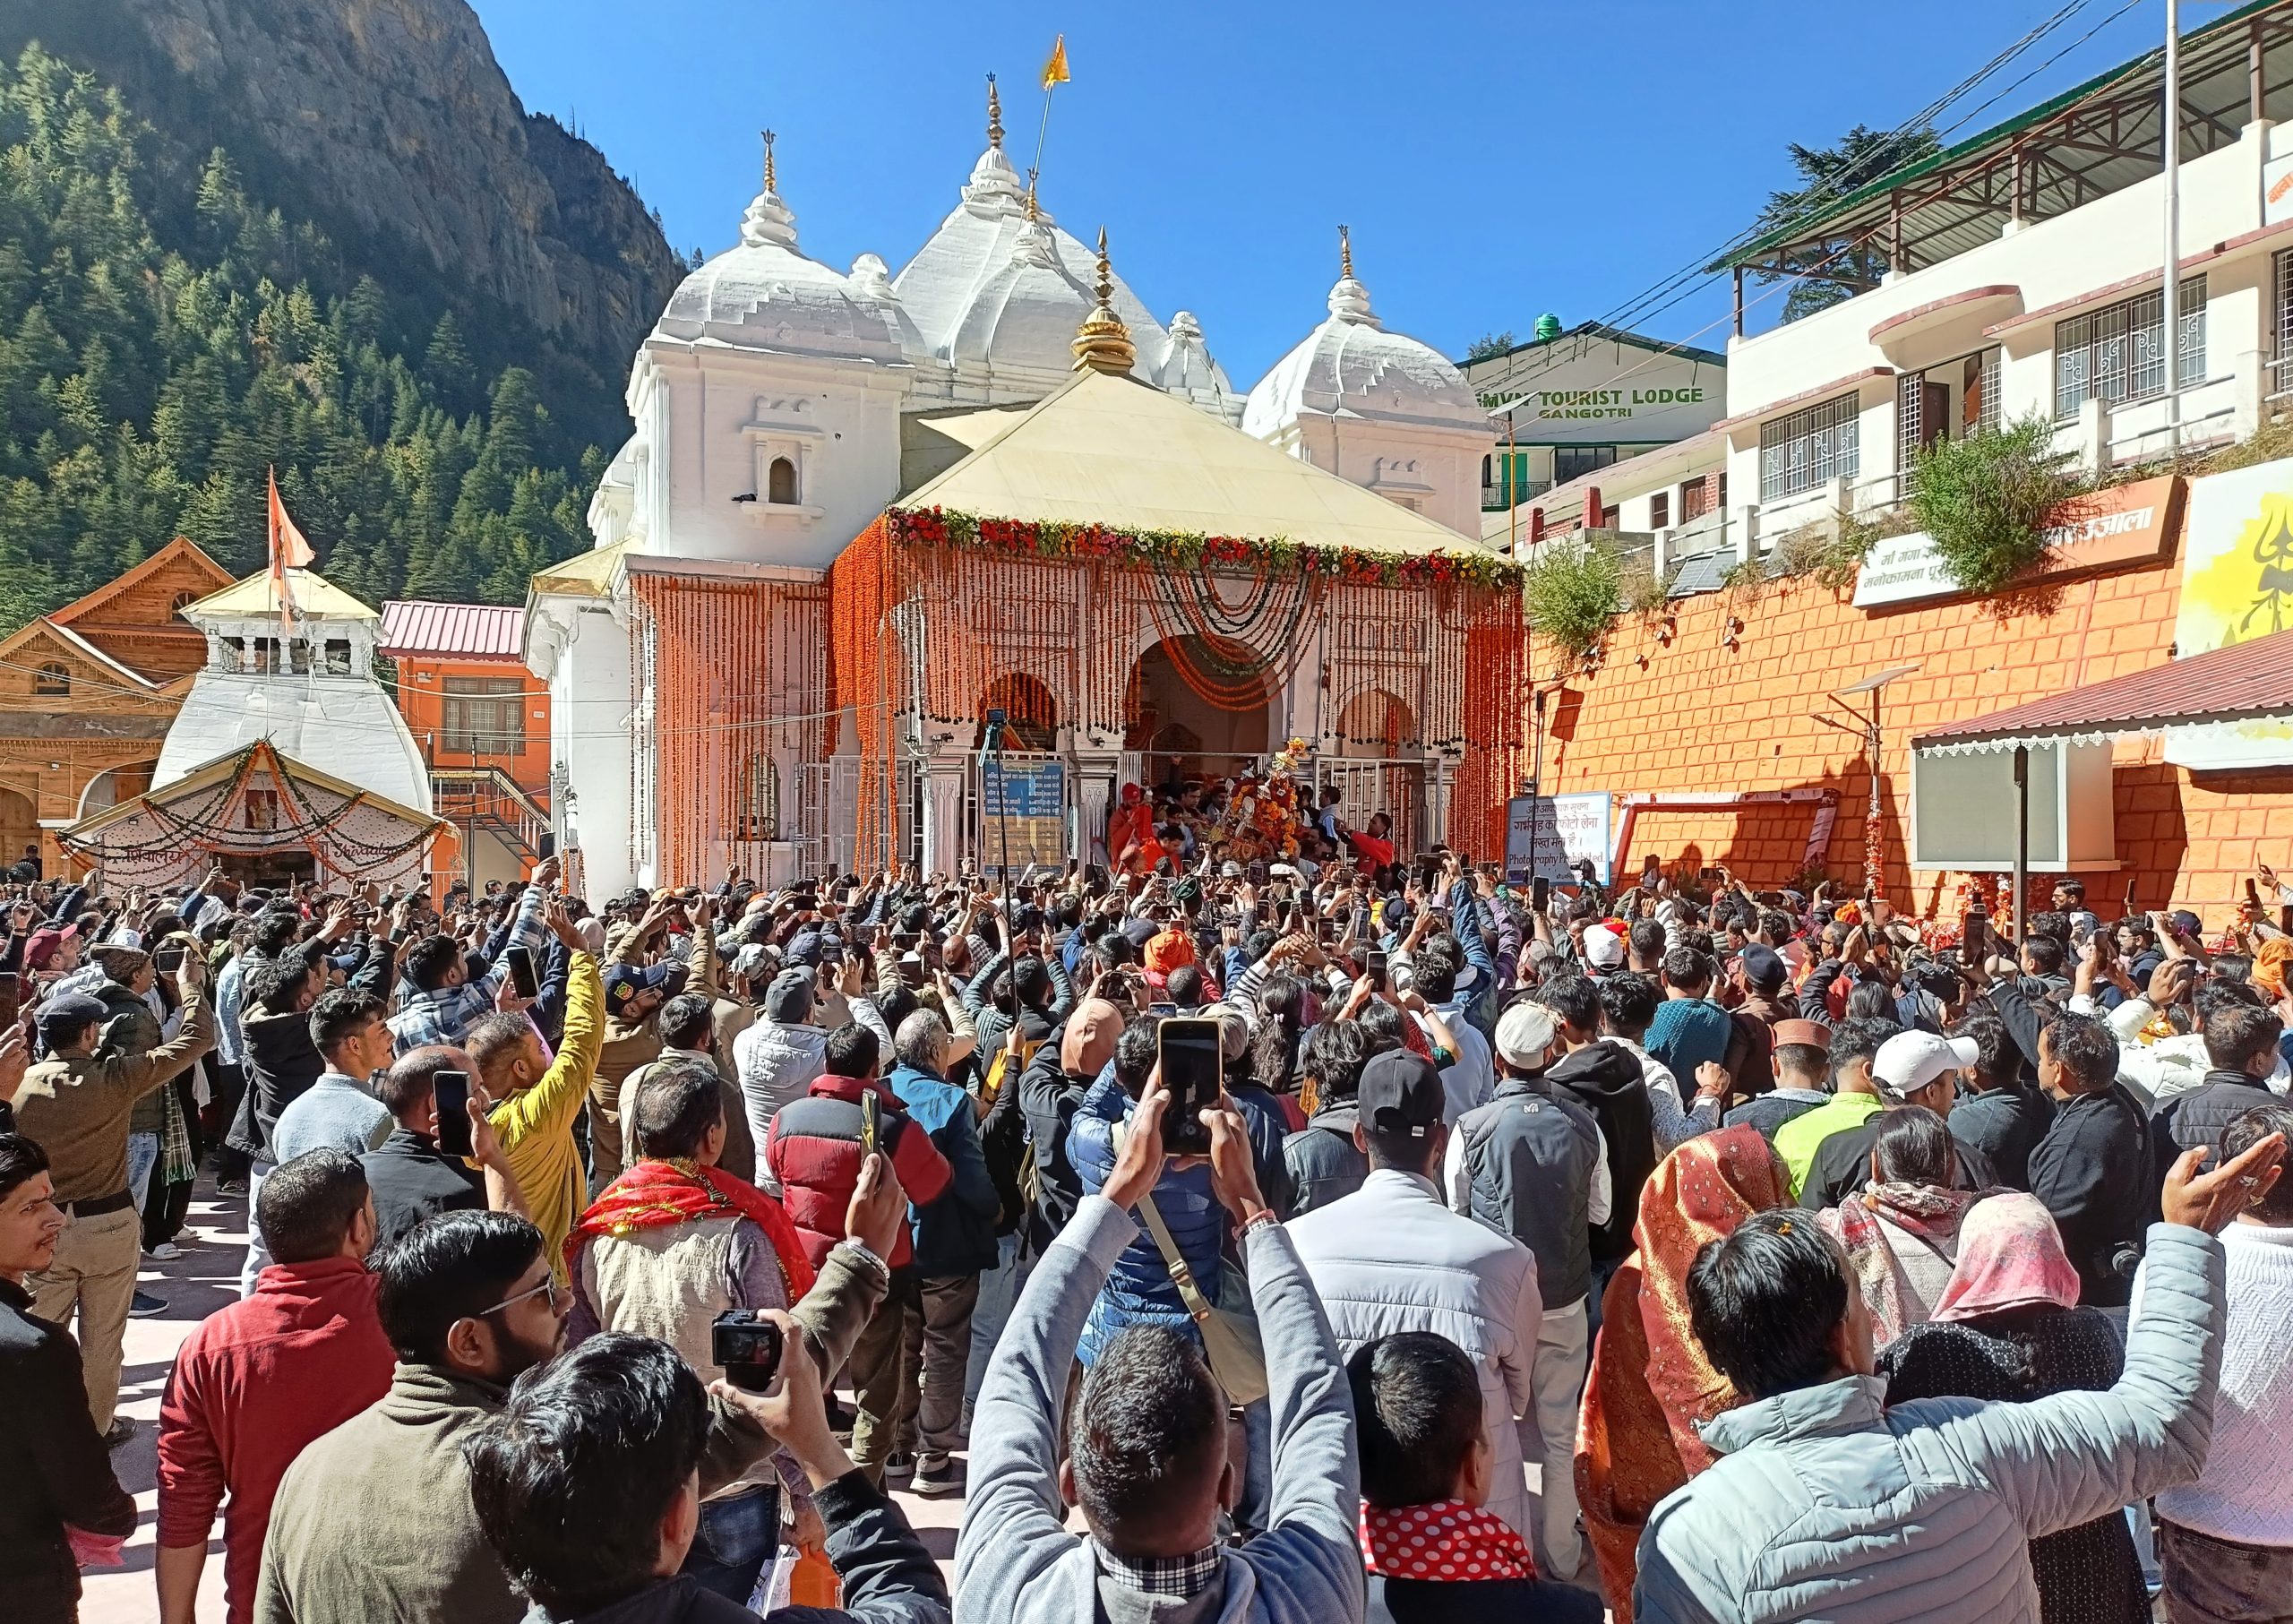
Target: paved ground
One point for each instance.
(195, 1285)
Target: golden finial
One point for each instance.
(1032, 216)
(771, 180)
(1345, 253)
(1103, 343)
(994, 115)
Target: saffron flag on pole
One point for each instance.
(289, 551)
(1054, 72)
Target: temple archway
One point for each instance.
(1375, 726)
(1031, 714)
(1187, 711)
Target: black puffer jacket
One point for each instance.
(1604, 1078)
(2202, 1115)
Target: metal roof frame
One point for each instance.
(2091, 140)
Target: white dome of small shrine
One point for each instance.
(764, 293)
(1352, 366)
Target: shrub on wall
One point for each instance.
(1573, 592)
(1984, 499)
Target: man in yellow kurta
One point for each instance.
(540, 1097)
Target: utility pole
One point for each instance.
(2169, 297)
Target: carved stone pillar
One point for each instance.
(944, 844)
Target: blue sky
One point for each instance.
(1493, 161)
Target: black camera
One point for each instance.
(747, 1346)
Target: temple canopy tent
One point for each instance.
(2247, 682)
(255, 806)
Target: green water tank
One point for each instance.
(1548, 327)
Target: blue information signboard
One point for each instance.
(1023, 809)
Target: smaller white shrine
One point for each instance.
(287, 760)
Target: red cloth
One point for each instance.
(814, 1153)
(1442, 1540)
(1132, 824)
(255, 1382)
(1369, 849)
(654, 1195)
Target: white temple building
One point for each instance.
(781, 406)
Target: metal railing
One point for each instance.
(487, 798)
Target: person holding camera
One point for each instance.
(587, 1487)
(669, 1247)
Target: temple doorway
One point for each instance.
(1191, 713)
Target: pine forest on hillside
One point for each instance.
(164, 338)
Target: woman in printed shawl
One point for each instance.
(1650, 1382)
(1901, 1229)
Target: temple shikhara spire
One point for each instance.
(1345, 253)
(1103, 343)
(994, 115)
(771, 177)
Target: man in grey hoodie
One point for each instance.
(1148, 1438)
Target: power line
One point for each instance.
(1697, 272)
(1688, 282)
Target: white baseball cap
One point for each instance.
(1603, 947)
(1910, 1061)
(1525, 1034)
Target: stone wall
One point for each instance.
(1691, 714)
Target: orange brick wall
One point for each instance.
(1695, 716)
(421, 700)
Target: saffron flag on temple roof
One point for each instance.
(1054, 72)
(289, 551)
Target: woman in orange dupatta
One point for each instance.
(1650, 1383)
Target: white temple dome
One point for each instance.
(1187, 368)
(765, 293)
(999, 289)
(1352, 366)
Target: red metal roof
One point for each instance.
(2243, 681)
(477, 632)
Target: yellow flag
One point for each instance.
(1054, 72)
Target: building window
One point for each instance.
(780, 482)
(338, 656)
(52, 682)
(1978, 393)
(1574, 461)
(2117, 354)
(181, 601)
(1807, 448)
(1660, 511)
(1696, 498)
(1505, 481)
(2282, 328)
(484, 716)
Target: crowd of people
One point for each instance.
(1687, 1252)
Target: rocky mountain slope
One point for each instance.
(389, 126)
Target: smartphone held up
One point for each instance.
(1191, 1055)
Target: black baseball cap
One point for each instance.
(1401, 1094)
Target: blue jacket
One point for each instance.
(956, 1234)
(1139, 1289)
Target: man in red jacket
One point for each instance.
(263, 1376)
(815, 1151)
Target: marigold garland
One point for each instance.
(1066, 538)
